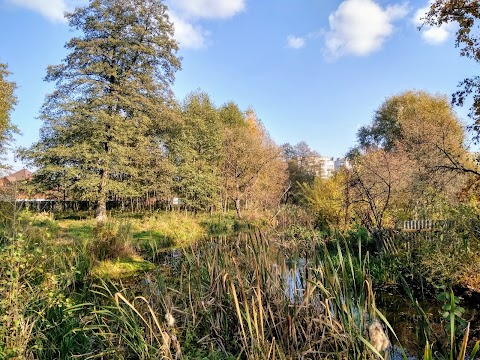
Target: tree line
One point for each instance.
(113, 130)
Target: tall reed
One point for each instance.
(246, 297)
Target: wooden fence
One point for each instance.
(426, 225)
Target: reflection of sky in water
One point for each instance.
(295, 278)
(395, 353)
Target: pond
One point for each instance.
(296, 269)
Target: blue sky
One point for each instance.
(313, 70)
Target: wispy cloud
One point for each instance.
(360, 27)
(188, 35)
(432, 34)
(186, 15)
(53, 10)
(295, 42)
(209, 9)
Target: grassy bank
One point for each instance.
(73, 288)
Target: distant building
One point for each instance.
(12, 191)
(329, 165)
(342, 162)
(23, 174)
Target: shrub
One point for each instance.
(112, 240)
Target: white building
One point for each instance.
(342, 162)
(329, 165)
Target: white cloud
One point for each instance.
(185, 15)
(188, 35)
(51, 9)
(187, 32)
(432, 34)
(360, 27)
(209, 9)
(295, 42)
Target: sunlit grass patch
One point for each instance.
(147, 236)
(122, 268)
(181, 228)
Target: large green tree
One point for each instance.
(7, 103)
(197, 151)
(107, 115)
(419, 125)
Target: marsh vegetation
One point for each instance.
(79, 289)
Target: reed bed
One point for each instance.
(242, 297)
(248, 297)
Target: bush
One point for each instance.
(112, 240)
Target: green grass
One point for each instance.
(73, 288)
(122, 268)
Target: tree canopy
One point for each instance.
(466, 13)
(197, 151)
(303, 168)
(419, 124)
(406, 156)
(253, 170)
(7, 103)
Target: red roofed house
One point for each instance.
(23, 174)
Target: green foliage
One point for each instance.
(37, 277)
(270, 302)
(197, 150)
(452, 314)
(122, 268)
(454, 345)
(7, 103)
(129, 328)
(411, 161)
(253, 170)
(467, 15)
(104, 122)
(413, 119)
(302, 169)
(58, 333)
(247, 294)
(179, 228)
(326, 198)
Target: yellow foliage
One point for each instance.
(327, 199)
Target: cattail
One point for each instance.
(378, 338)
(169, 319)
(176, 346)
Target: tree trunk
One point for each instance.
(237, 208)
(101, 213)
(377, 235)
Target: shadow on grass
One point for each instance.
(80, 232)
(73, 215)
(153, 243)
